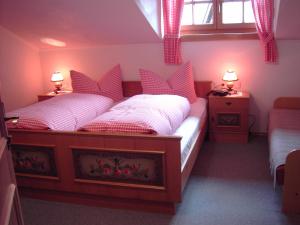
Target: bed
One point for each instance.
(284, 142)
(66, 156)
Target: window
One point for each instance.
(217, 16)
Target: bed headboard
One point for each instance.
(131, 88)
(287, 103)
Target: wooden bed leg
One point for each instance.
(291, 187)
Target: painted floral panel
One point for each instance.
(34, 160)
(117, 166)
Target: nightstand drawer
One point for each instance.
(229, 103)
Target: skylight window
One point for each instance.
(217, 16)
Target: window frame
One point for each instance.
(217, 27)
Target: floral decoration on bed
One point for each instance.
(117, 166)
(34, 160)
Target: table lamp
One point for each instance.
(230, 76)
(57, 78)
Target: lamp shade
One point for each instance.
(56, 77)
(230, 75)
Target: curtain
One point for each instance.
(172, 10)
(263, 13)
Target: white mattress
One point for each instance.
(284, 135)
(282, 142)
(190, 127)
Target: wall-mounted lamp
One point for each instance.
(230, 76)
(57, 78)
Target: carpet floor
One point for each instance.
(230, 185)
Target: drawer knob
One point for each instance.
(228, 103)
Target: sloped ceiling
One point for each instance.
(88, 23)
(80, 23)
(288, 19)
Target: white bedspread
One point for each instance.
(143, 114)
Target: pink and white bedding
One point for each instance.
(143, 114)
(284, 135)
(62, 113)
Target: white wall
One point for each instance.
(210, 59)
(20, 71)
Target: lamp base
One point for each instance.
(230, 86)
(58, 86)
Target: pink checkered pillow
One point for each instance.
(180, 83)
(83, 84)
(110, 84)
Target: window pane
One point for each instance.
(232, 12)
(203, 13)
(187, 15)
(248, 12)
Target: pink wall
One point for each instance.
(20, 71)
(209, 58)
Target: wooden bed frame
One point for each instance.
(291, 185)
(64, 154)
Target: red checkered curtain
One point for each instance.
(263, 13)
(172, 10)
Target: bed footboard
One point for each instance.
(291, 187)
(91, 168)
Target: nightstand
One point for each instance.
(52, 94)
(228, 117)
